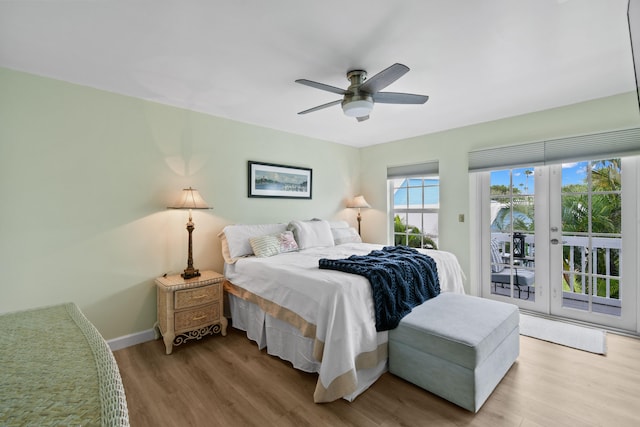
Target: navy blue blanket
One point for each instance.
(401, 278)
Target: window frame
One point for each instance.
(407, 209)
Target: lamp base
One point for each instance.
(190, 273)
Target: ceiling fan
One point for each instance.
(359, 97)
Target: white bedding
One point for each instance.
(332, 308)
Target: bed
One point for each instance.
(321, 321)
(57, 370)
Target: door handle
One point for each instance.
(554, 229)
(555, 241)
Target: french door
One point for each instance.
(513, 228)
(563, 239)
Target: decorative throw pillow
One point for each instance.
(273, 244)
(287, 242)
(265, 246)
(235, 238)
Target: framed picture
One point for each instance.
(269, 180)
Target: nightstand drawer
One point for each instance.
(193, 319)
(198, 296)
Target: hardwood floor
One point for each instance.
(227, 381)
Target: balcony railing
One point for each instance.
(578, 253)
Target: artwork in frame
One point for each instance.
(271, 180)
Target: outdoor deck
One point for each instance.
(576, 301)
(577, 248)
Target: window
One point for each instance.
(415, 203)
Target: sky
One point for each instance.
(431, 192)
(572, 173)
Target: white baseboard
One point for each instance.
(132, 339)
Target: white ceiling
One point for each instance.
(477, 60)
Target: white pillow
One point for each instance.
(273, 244)
(235, 239)
(338, 224)
(311, 234)
(345, 235)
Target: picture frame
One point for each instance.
(279, 181)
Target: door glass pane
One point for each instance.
(523, 181)
(591, 235)
(524, 214)
(606, 175)
(512, 233)
(607, 213)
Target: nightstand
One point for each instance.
(190, 308)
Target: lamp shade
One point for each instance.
(190, 199)
(358, 202)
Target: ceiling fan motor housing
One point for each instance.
(357, 104)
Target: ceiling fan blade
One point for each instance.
(384, 78)
(399, 98)
(320, 107)
(323, 86)
(363, 118)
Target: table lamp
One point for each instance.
(190, 199)
(358, 202)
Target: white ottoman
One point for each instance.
(456, 346)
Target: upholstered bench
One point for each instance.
(456, 346)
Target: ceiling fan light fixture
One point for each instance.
(358, 107)
(358, 99)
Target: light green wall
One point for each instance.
(451, 149)
(85, 177)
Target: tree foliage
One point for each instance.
(410, 235)
(603, 216)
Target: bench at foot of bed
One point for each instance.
(456, 346)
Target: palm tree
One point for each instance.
(516, 211)
(410, 235)
(528, 173)
(603, 216)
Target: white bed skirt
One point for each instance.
(286, 342)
